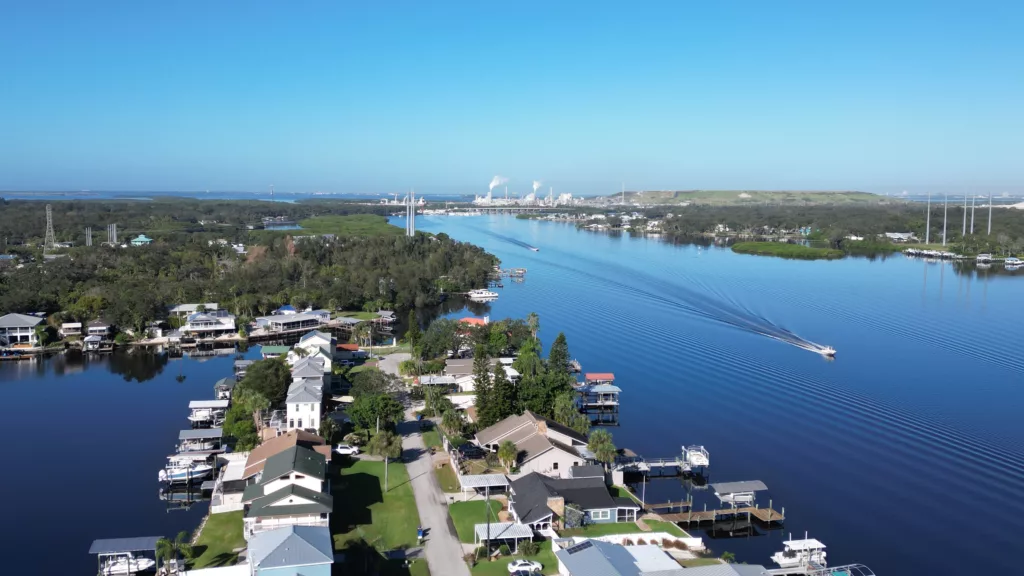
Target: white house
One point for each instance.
(70, 329)
(288, 321)
(216, 323)
(289, 491)
(19, 329)
(545, 446)
(304, 405)
(183, 310)
(314, 344)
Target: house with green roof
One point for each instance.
(291, 490)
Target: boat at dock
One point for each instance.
(127, 565)
(805, 553)
(184, 470)
(482, 295)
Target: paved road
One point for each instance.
(443, 551)
(389, 364)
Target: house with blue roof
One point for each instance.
(141, 240)
(291, 551)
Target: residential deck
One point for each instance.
(765, 515)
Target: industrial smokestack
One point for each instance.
(536, 186)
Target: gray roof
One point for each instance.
(590, 471)
(504, 427)
(226, 383)
(296, 458)
(346, 320)
(19, 321)
(314, 334)
(190, 308)
(291, 546)
(735, 487)
(307, 371)
(304, 394)
(717, 570)
(268, 504)
(597, 558)
(116, 545)
(503, 530)
(200, 434)
(531, 493)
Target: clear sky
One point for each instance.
(380, 96)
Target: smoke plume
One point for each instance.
(497, 181)
(536, 185)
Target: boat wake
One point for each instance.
(508, 239)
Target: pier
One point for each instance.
(764, 515)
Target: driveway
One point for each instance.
(389, 364)
(443, 551)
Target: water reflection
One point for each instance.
(137, 365)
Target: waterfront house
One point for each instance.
(288, 322)
(209, 324)
(285, 310)
(472, 321)
(315, 344)
(258, 456)
(92, 343)
(544, 446)
(290, 490)
(540, 502)
(292, 550)
(183, 310)
(323, 315)
(100, 327)
(349, 352)
(900, 236)
(141, 240)
(19, 329)
(304, 404)
(587, 557)
(70, 329)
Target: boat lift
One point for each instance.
(692, 458)
(201, 440)
(206, 413)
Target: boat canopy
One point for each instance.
(201, 404)
(742, 487)
(804, 545)
(123, 545)
(200, 434)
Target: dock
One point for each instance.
(764, 515)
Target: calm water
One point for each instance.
(905, 453)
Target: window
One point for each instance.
(554, 466)
(300, 422)
(600, 514)
(291, 423)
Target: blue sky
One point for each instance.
(381, 96)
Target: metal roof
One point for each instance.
(603, 388)
(737, 487)
(200, 434)
(291, 546)
(274, 349)
(503, 530)
(806, 544)
(19, 321)
(199, 404)
(599, 376)
(724, 570)
(121, 545)
(443, 380)
(483, 480)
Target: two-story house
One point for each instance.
(544, 446)
(209, 324)
(290, 490)
(290, 551)
(19, 329)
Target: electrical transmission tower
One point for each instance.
(88, 236)
(50, 243)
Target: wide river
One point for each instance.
(904, 453)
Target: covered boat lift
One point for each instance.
(201, 440)
(738, 493)
(121, 548)
(206, 413)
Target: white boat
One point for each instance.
(808, 552)
(827, 351)
(184, 471)
(481, 294)
(200, 445)
(534, 249)
(984, 258)
(127, 565)
(1012, 261)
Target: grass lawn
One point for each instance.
(662, 526)
(446, 478)
(372, 365)
(363, 511)
(500, 566)
(697, 562)
(352, 225)
(785, 250)
(358, 315)
(432, 438)
(592, 530)
(465, 515)
(622, 492)
(221, 535)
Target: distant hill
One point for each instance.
(752, 197)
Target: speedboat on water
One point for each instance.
(827, 351)
(534, 249)
(481, 294)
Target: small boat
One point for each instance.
(806, 553)
(827, 351)
(534, 249)
(984, 258)
(127, 565)
(481, 294)
(1012, 261)
(184, 471)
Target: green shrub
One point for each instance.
(529, 548)
(504, 550)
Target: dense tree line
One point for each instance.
(837, 221)
(132, 286)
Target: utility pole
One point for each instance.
(928, 221)
(974, 198)
(945, 212)
(989, 213)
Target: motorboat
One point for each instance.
(827, 351)
(481, 294)
(535, 249)
(199, 445)
(184, 471)
(984, 258)
(806, 553)
(127, 564)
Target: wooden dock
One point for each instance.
(765, 515)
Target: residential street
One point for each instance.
(443, 551)
(389, 365)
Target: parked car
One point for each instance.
(346, 450)
(347, 363)
(524, 567)
(472, 451)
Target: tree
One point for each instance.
(568, 414)
(268, 377)
(329, 430)
(508, 453)
(485, 411)
(373, 383)
(503, 395)
(238, 424)
(558, 357)
(533, 321)
(413, 335)
(367, 411)
(168, 550)
(600, 443)
(388, 445)
(728, 557)
(453, 422)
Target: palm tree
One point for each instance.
(164, 551)
(533, 321)
(600, 443)
(452, 422)
(388, 445)
(168, 551)
(508, 454)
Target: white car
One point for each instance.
(346, 450)
(524, 566)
